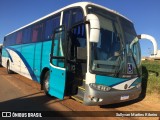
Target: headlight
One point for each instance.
(99, 87)
(138, 85)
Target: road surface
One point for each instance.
(18, 93)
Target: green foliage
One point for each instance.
(151, 76)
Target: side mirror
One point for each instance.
(135, 40)
(153, 40)
(148, 37)
(94, 27)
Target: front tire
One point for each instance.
(46, 83)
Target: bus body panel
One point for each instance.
(121, 90)
(96, 97)
(108, 81)
(117, 83)
(38, 59)
(5, 57)
(57, 82)
(46, 54)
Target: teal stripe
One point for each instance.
(109, 81)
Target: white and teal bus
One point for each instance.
(84, 50)
(1, 54)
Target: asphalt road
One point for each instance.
(18, 93)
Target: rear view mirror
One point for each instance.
(94, 27)
(135, 40)
(148, 37)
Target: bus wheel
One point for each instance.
(8, 68)
(46, 83)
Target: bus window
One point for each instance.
(51, 24)
(7, 41)
(19, 38)
(37, 32)
(76, 16)
(72, 16)
(27, 35)
(4, 42)
(11, 39)
(66, 17)
(58, 48)
(79, 35)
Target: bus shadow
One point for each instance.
(144, 82)
(32, 102)
(156, 73)
(140, 98)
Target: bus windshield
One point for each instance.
(111, 54)
(133, 56)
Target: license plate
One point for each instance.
(125, 97)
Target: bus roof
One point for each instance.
(81, 4)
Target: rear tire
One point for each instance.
(46, 83)
(8, 68)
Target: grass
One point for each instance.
(151, 76)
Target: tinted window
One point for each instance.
(79, 35)
(13, 38)
(4, 42)
(7, 41)
(72, 16)
(59, 47)
(66, 17)
(76, 16)
(37, 32)
(51, 24)
(10, 39)
(18, 38)
(27, 35)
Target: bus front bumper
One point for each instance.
(95, 97)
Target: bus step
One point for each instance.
(77, 98)
(84, 82)
(81, 90)
(80, 94)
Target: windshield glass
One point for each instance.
(132, 55)
(111, 55)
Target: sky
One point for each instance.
(143, 13)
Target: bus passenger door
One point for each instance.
(57, 78)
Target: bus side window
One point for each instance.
(72, 16)
(27, 35)
(19, 38)
(66, 17)
(79, 35)
(77, 16)
(51, 24)
(10, 40)
(37, 32)
(4, 42)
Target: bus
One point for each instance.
(0, 54)
(85, 51)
